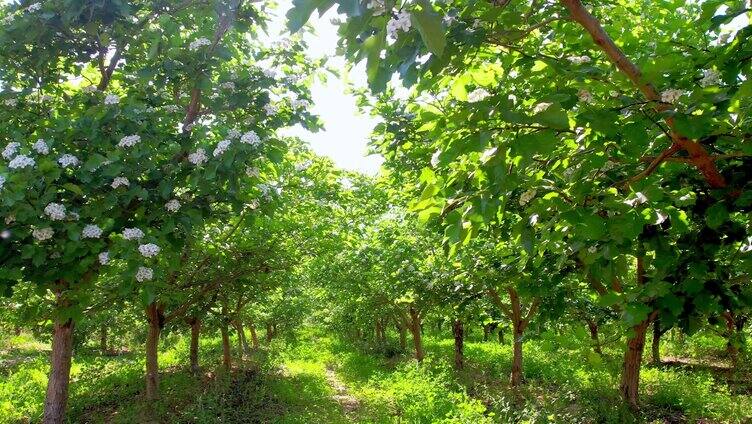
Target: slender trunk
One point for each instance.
(254, 336)
(103, 339)
(156, 322)
(242, 340)
(458, 331)
(269, 332)
(57, 385)
(501, 335)
(732, 344)
(656, 346)
(226, 358)
(630, 374)
(486, 331)
(195, 332)
(415, 330)
(593, 327)
(403, 337)
(515, 378)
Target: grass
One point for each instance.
(306, 379)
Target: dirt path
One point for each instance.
(347, 401)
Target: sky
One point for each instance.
(346, 131)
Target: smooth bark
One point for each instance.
(254, 336)
(594, 337)
(630, 373)
(155, 317)
(59, 380)
(226, 355)
(103, 340)
(416, 332)
(656, 345)
(195, 333)
(458, 331)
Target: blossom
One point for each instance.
(67, 160)
(637, 200)
(149, 250)
(129, 140)
(90, 89)
(436, 158)
(198, 43)
(533, 219)
(120, 181)
(221, 148)
(55, 211)
(250, 138)
(488, 154)
(541, 107)
(132, 233)
(229, 85)
(578, 60)
(710, 77)
(233, 134)
(10, 150)
(592, 249)
(104, 257)
(303, 165)
(171, 108)
(671, 95)
(269, 73)
(400, 22)
(378, 7)
(585, 96)
(42, 234)
(172, 206)
(198, 157)
(527, 196)
(47, 98)
(111, 99)
(41, 147)
(91, 231)
(300, 104)
(252, 171)
(21, 161)
(144, 274)
(11, 102)
(34, 7)
(477, 95)
(270, 109)
(2, 181)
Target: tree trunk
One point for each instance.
(226, 358)
(630, 374)
(403, 337)
(501, 335)
(593, 327)
(415, 330)
(103, 339)
(515, 378)
(458, 331)
(242, 341)
(269, 332)
(195, 332)
(57, 385)
(486, 330)
(254, 336)
(156, 322)
(656, 346)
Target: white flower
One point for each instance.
(303, 166)
(104, 257)
(67, 160)
(149, 250)
(250, 138)
(41, 147)
(527, 196)
(55, 211)
(724, 38)
(11, 102)
(47, 98)
(488, 154)
(477, 95)
(172, 206)
(533, 219)
(132, 233)
(10, 150)
(378, 6)
(129, 140)
(436, 158)
(198, 157)
(171, 108)
(400, 22)
(671, 95)
(252, 171)
(21, 161)
(10, 219)
(300, 104)
(710, 77)
(2, 182)
(120, 181)
(34, 7)
(585, 96)
(144, 274)
(91, 231)
(541, 107)
(592, 249)
(637, 200)
(8, 20)
(221, 148)
(578, 60)
(233, 134)
(269, 73)
(229, 85)
(270, 109)
(90, 89)
(198, 43)
(111, 99)
(42, 234)
(747, 247)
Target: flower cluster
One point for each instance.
(233, 134)
(229, 85)
(149, 250)
(132, 233)
(104, 257)
(378, 7)
(10, 150)
(91, 231)
(172, 206)
(55, 211)
(710, 77)
(250, 138)
(270, 73)
(90, 89)
(129, 140)
(270, 109)
(221, 148)
(585, 96)
(41, 147)
(527, 196)
(477, 95)
(67, 160)
(120, 181)
(252, 171)
(21, 161)
(671, 95)
(144, 274)
(198, 157)
(541, 107)
(198, 43)
(34, 7)
(300, 104)
(579, 60)
(11, 102)
(2, 181)
(111, 99)
(400, 22)
(42, 234)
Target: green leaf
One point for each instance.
(430, 27)
(301, 11)
(716, 215)
(554, 117)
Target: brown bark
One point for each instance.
(226, 356)
(415, 330)
(403, 336)
(103, 339)
(155, 317)
(593, 327)
(254, 336)
(656, 345)
(520, 322)
(458, 331)
(501, 335)
(242, 341)
(732, 349)
(630, 374)
(195, 333)
(269, 332)
(57, 385)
